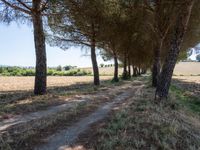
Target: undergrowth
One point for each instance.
(144, 124)
(186, 100)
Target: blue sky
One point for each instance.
(17, 49)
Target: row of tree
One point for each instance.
(143, 34)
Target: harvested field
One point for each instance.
(182, 68)
(104, 70)
(187, 68)
(27, 83)
(183, 71)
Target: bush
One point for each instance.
(101, 65)
(59, 68)
(17, 71)
(198, 58)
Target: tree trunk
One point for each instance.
(129, 68)
(156, 67)
(95, 65)
(116, 78)
(94, 59)
(144, 70)
(139, 70)
(40, 49)
(170, 61)
(157, 51)
(135, 71)
(125, 73)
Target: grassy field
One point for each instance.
(182, 68)
(187, 68)
(27, 83)
(185, 71)
(104, 70)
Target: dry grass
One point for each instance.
(27, 135)
(189, 84)
(27, 83)
(187, 68)
(182, 68)
(143, 124)
(105, 70)
(59, 92)
(16, 93)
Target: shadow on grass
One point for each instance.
(12, 96)
(17, 102)
(187, 94)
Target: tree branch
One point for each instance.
(16, 7)
(23, 4)
(75, 41)
(44, 6)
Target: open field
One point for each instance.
(27, 83)
(104, 70)
(182, 68)
(187, 68)
(183, 71)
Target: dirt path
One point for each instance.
(64, 138)
(38, 115)
(73, 103)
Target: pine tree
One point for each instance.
(22, 10)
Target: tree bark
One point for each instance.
(116, 78)
(125, 73)
(129, 68)
(94, 59)
(156, 67)
(135, 71)
(95, 65)
(40, 49)
(144, 70)
(170, 61)
(139, 70)
(157, 51)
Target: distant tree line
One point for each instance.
(52, 71)
(106, 65)
(142, 34)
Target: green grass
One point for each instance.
(19, 71)
(192, 103)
